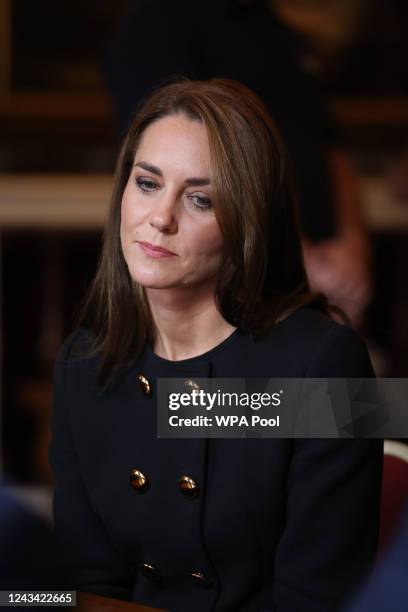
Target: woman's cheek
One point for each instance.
(214, 241)
(126, 212)
(129, 217)
(205, 238)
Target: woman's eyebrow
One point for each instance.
(194, 180)
(197, 181)
(149, 168)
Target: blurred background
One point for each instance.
(70, 76)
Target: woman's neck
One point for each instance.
(185, 325)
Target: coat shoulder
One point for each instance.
(319, 346)
(77, 347)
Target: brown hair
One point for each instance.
(263, 279)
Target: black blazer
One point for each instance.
(278, 524)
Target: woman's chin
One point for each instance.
(155, 281)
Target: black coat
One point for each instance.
(279, 524)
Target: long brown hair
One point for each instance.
(263, 279)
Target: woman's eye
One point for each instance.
(200, 202)
(145, 184)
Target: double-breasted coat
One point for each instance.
(284, 525)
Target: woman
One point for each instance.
(201, 275)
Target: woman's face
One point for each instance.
(167, 203)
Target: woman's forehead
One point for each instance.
(175, 141)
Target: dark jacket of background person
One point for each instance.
(29, 558)
(157, 40)
(387, 588)
(278, 524)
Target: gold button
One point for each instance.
(138, 480)
(188, 486)
(191, 385)
(146, 386)
(199, 578)
(150, 571)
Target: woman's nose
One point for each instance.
(163, 217)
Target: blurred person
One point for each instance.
(244, 40)
(330, 26)
(341, 266)
(387, 589)
(201, 275)
(29, 557)
(23, 537)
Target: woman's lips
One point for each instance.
(154, 251)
